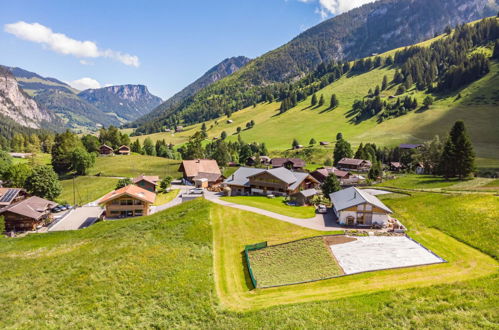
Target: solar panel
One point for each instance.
(9, 195)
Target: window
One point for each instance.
(369, 207)
(360, 207)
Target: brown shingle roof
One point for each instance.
(105, 146)
(149, 178)
(191, 168)
(278, 162)
(33, 207)
(132, 191)
(353, 161)
(211, 177)
(325, 171)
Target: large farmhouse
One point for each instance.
(295, 164)
(201, 169)
(277, 181)
(354, 164)
(129, 201)
(28, 214)
(353, 206)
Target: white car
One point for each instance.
(322, 209)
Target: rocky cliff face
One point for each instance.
(17, 105)
(127, 101)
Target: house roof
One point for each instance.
(308, 192)
(124, 147)
(191, 168)
(132, 191)
(33, 207)
(278, 162)
(7, 195)
(325, 171)
(353, 161)
(352, 196)
(153, 179)
(242, 175)
(409, 145)
(396, 164)
(211, 177)
(105, 146)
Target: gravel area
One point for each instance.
(381, 252)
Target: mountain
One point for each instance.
(18, 106)
(126, 101)
(372, 28)
(90, 109)
(219, 71)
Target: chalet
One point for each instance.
(304, 197)
(353, 206)
(295, 164)
(322, 173)
(124, 150)
(408, 146)
(277, 181)
(146, 182)
(179, 128)
(252, 161)
(27, 214)
(396, 166)
(10, 196)
(105, 150)
(299, 146)
(347, 164)
(229, 121)
(129, 201)
(201, 169)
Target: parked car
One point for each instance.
(322, 209)
(56, 209)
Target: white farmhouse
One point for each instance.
(353, 206)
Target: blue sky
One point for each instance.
(162, 44)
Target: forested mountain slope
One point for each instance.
(372, 28)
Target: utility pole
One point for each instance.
(74, 191)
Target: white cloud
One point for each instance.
(85, 83)
(62, 44)
(335, 7)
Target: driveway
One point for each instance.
(321, 222)
(78, 218)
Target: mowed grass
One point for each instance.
(135, 165)
(88, 189)
(163, 198)
(298, 261)
(157, 272)
(37, 159)
(419, 181)
(276, 205)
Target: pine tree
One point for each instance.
(295, 144)
(342, 149)
(376, 90)
(314, 100)
(339, 136)
(458, 157)
(495, 54)
(384, 84)
(312, 141)
(223, 135)
(334, 102)
(321, 100)
(330, 185)
(428, 101)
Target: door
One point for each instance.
(368, 218)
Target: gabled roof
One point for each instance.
(211, 177)
(191, 168)
(33, 207)
(352, 196)
(325, 171)
(132, 191)
(353, 161)
(293, 179)
(153, 179)
(241, 175)
(396, 164)
(297, 162)
(105, 146)
(308, 192)
(409, 145)
(7, 195)
(124, 147)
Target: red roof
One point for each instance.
(153, 179)
(132, 191)
(191, 168)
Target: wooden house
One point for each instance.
(304, 197)
(353, 164)
(129, 201)
(10, 196)
(27, 214)
(396, 166)
(105, 150)
(277, 181)
(295, 164)
(322, 173)
(148, 182)
(201, 169)
(353, 206)
(124, 150)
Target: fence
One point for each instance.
(252, 247)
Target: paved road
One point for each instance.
(81, 217)
(321, 222)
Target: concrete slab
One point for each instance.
(376, 192)
(81, 217)
(368, 253)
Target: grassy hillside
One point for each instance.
(88, 189)
(157, 271)
(479, 102)
(135, 165)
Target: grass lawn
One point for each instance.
(157, 272)
(88, 189)
(416, 181)
(277, 205)
(135, 165)
(38, 158)
(163, 198)
(294, 262)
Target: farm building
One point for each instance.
(304, 197)
(10, 196)
(129, 201)
(354, 164)
(322, 173)
(124, 150)
(146, 182)
(252, 161)
(27, 214)
(201, 169)
(324, 143)
(295, 164)
(396, 166)
(105, 150)
(353, 206)
(277, 181)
